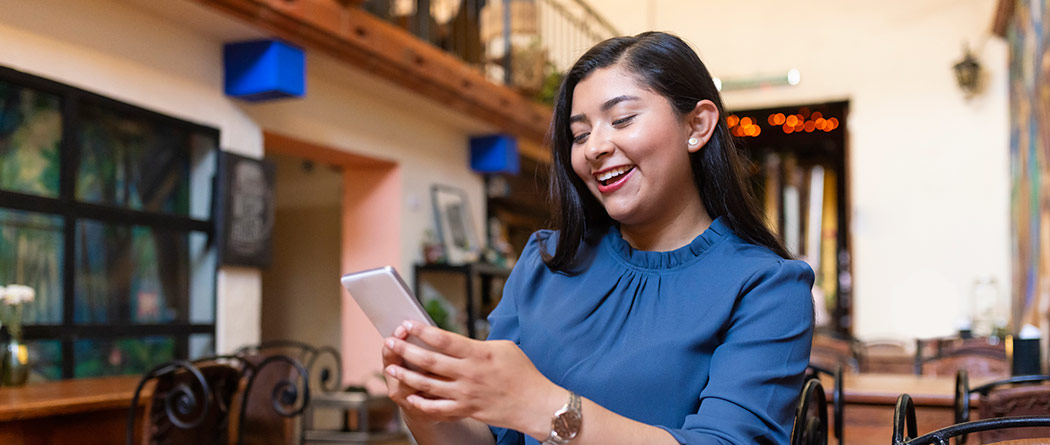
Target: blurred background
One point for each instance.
(181, 178)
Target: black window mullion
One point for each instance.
(182, 345)
(30, 203)
(77, 210)
(68, 160)
(182, 303)
(77, 332)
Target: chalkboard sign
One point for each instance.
(245, 210)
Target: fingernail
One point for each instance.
(399, 331)
(391, 371)
(390, 343)
(409, 325)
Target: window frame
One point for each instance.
(71, 211)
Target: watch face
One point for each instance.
(567, 424)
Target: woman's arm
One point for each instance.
(493, 383)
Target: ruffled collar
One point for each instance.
(670, 259)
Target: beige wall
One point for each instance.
(929, 170)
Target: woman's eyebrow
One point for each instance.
(612, 102)
(605, 107)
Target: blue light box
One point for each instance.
(260, 70)
(497, 153)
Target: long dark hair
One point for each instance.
(668, 66)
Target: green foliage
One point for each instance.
(122, 357)
(30, 135)
(551, 84)
(437, 313)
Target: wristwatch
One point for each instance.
(566, 422)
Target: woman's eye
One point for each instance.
(580, 138)
(624, 121)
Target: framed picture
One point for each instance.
(454, 224)
(245, 200)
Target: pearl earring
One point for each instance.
(693, 142)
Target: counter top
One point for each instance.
(62, 397)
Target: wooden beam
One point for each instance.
(358, 38)
(1003, 14)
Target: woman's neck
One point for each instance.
(675, 230)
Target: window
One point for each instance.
(105, 210)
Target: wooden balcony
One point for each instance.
(343, 30)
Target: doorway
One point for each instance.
(800, 174)
(336, 212)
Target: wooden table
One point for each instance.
(870, 399)
(82, 411)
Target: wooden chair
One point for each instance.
(885, 357)
(1015, 396)
(304, 369)
(905, 429)
(828, 352)
(276, 392)
(980, 357)
(223, 400)
(190, 403)
(837, 403)
(811, 416)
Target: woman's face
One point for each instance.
(630, 148)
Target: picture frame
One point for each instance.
(455, 226)
(245, 210)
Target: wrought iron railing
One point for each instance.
(525, 44)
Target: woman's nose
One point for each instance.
(598, 146)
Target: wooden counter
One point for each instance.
(82, 411)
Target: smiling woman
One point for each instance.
(660, 310)
(620, 151)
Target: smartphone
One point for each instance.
(386, 300)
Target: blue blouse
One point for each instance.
(708, 341)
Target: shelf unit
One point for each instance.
(477, 304)
(359, 405)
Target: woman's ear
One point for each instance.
(701, 121)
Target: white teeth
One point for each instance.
(613, 173)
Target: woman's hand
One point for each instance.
(398, 391)
(490, 381)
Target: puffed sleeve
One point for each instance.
(756, 372)
(503, 320)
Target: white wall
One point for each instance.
(929, 171)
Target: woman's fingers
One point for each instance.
(432, 386)
(440, 340)
(401, 332)
(430, 361)
(444, 408)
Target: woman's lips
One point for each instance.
(616, 185)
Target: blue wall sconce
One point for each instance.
(260, 70)
(497, 153)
